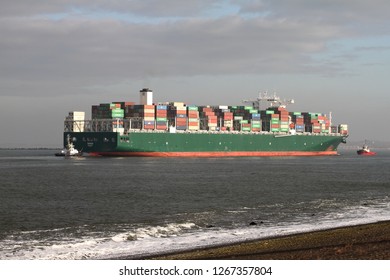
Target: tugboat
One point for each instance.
(365, 151)
(69, 150)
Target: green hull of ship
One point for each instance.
(164, 144)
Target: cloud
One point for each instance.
(360, 16)
(91, 51)
(148, 8)
(77, 50)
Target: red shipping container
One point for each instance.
(207, 109)
(181, 112)
(150, 115)
(161, 114)
(161, 127)
(181, 123)
(209, 113)
(284, 118)
(193, 114)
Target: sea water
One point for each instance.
(99, 208)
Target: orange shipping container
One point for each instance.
(150, 115)
(161, 127)
(209, 113)
(207, 109)
(284, 118)
(193, 114)
(181, 112)
(161, 114)
(180, 122)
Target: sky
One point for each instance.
(61, 56)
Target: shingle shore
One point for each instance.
(367, 242)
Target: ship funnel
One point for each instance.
(146, 96)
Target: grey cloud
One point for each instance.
(92, 51)
(358, 15)
(166, 8)
(82, 52)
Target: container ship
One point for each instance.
(175, 129)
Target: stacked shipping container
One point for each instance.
(284, 118)
(177, 112)
(193, 118)
(211, 119)
(161, 117)
(107, 111)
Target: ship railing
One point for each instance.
(134, 125)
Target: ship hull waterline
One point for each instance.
(212, 154)
(149, 144)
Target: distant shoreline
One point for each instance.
(33, 149)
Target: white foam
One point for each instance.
(182, 236)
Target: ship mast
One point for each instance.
(264, 97)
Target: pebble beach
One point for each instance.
(359, 242)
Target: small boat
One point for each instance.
(365, 151)
(69, 150)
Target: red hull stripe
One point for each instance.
(213, 154)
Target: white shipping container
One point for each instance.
(77, 115)
(343, 127)
(121, 130)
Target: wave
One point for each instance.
(138, 241)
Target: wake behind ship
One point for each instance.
(175, 129)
